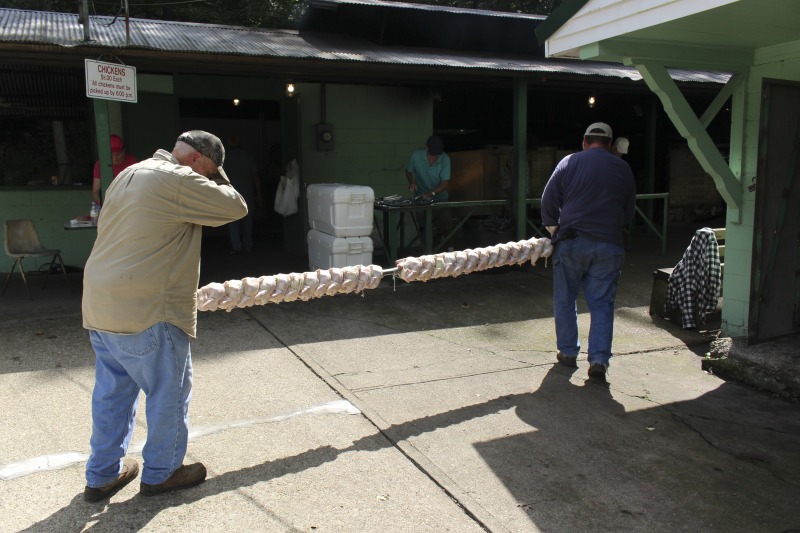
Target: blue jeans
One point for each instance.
(593, 266)
(157, 361)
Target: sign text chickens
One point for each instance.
(110, 81)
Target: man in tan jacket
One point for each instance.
(140, 308)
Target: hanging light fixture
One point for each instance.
(236, 102)
(290, 89)
(592, 101)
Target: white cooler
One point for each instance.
(340, 210)
(327, 251)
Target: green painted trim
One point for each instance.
(738, 137)
(689, 126)
(620, 50)
(766, 55)
(102, 131)
(50, 208)
(720, 99)
(155, 83)
(558, 18)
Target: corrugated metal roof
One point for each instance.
(425, 7)
(406, 24)
(65, 30)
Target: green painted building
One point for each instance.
(357, 74)
(759, 44)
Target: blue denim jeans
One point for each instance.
(594, 267)
(157, 361)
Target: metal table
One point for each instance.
(662, 235)
(69, 226)
(392, 233)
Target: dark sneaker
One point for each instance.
(129, 471)
(183, 478)
(597, 371)
(567, 360)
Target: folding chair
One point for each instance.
(21, 241)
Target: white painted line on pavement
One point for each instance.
(63, 460)
(335, 407)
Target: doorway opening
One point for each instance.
(257, 124)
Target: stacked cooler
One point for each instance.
(340, 217)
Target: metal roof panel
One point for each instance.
(64, 29)
(426, 7)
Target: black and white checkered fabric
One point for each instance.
(695, 281)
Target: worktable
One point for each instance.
(392, 232)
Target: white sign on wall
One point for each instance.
(110, 81)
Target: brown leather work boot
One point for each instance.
(567, 360)
(129, 471)
(183, 478)
(597, 372)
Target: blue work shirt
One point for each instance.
(428, 177)
(592, 192)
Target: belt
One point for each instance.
(568, 234)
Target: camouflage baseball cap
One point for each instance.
(207, 144)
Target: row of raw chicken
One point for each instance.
(472, 260)
(304, 286)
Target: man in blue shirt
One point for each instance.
(585, 205)
(428, 171)
(428, 175)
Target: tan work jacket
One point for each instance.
(145, 264)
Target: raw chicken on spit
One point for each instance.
(355, 279)
(287, 287)
(467, 261)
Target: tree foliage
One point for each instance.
(251, 13)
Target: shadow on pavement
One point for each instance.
(586, 464)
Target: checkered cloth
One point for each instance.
(695, 281)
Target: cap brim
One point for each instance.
(220, 174)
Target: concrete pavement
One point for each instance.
(417, 407)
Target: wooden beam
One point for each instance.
(720, 99)
(680, 55)
(690, 127)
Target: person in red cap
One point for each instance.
(120, 160)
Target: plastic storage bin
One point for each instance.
(327, 251)
(340, 210)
